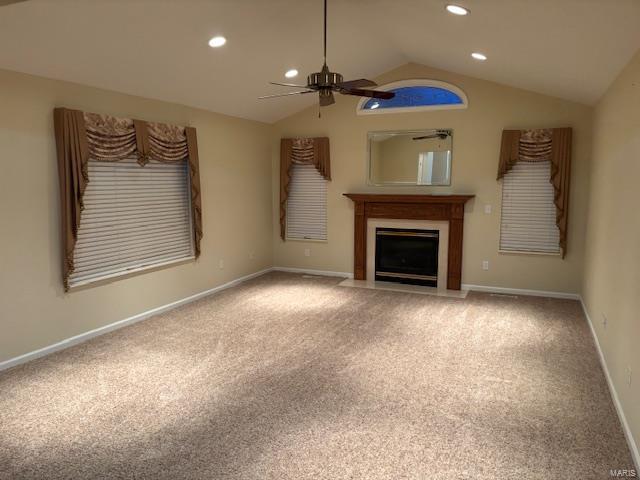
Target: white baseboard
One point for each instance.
(520, 291)
(633, 447)
(308, 271)
(83, 337)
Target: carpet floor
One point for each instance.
(292, 377)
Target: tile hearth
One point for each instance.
(401, 287)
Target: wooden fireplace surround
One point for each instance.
(411, 207)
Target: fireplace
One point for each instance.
(448, 209)
(407, 256)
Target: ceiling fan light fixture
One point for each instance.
(217, 41)
(479, 56)
(291, 73)
(457, 9)
(374, 106)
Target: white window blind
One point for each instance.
(307, 204)
(528, 222)
(134, 218)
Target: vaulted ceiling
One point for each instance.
(158, 48)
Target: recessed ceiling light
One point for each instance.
(291, 73)
(457, 10)
(375, 105)
(479, 56)
(218, 41)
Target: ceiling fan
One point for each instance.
(326, 82)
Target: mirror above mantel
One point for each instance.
(410, 157)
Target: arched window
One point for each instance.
(415, 96)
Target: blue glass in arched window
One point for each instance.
(416, 96)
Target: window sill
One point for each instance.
(312, 240)
(526, 252)
(95, 282)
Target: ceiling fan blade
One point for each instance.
(368, 93)
(326, 100)
(286, 94)
(9, 2)
(425, 137)
(288, 85)
(359, 83)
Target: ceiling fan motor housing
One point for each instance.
(325, 78)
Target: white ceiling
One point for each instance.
(158, 48)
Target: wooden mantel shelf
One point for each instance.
(398, 198)
(413, 207)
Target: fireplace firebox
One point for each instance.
(407, 256)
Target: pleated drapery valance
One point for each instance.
(80, 136)
(541, 145)
(308, 151)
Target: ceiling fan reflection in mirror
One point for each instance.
(441, 134)
(325, 82)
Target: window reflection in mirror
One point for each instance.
(420, 157)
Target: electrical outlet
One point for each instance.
(221, 264)
(604, 321)
(485, 264)
(307, 252)
(487, 208)
(628, 375)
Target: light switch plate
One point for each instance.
(487, 208)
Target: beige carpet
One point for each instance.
(287, 377)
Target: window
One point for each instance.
(134, 218)
(415, 95)
(528, 222)
(307, 204)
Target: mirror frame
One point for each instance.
(403, 132)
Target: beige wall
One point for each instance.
(612, 262)
(236, 193)
(476, 144)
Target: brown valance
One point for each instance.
(80, 136)
(541, 145)
(309, 151)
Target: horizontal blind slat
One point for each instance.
(127, 235)
(126, 258)
(117, 247)
(124, 268)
